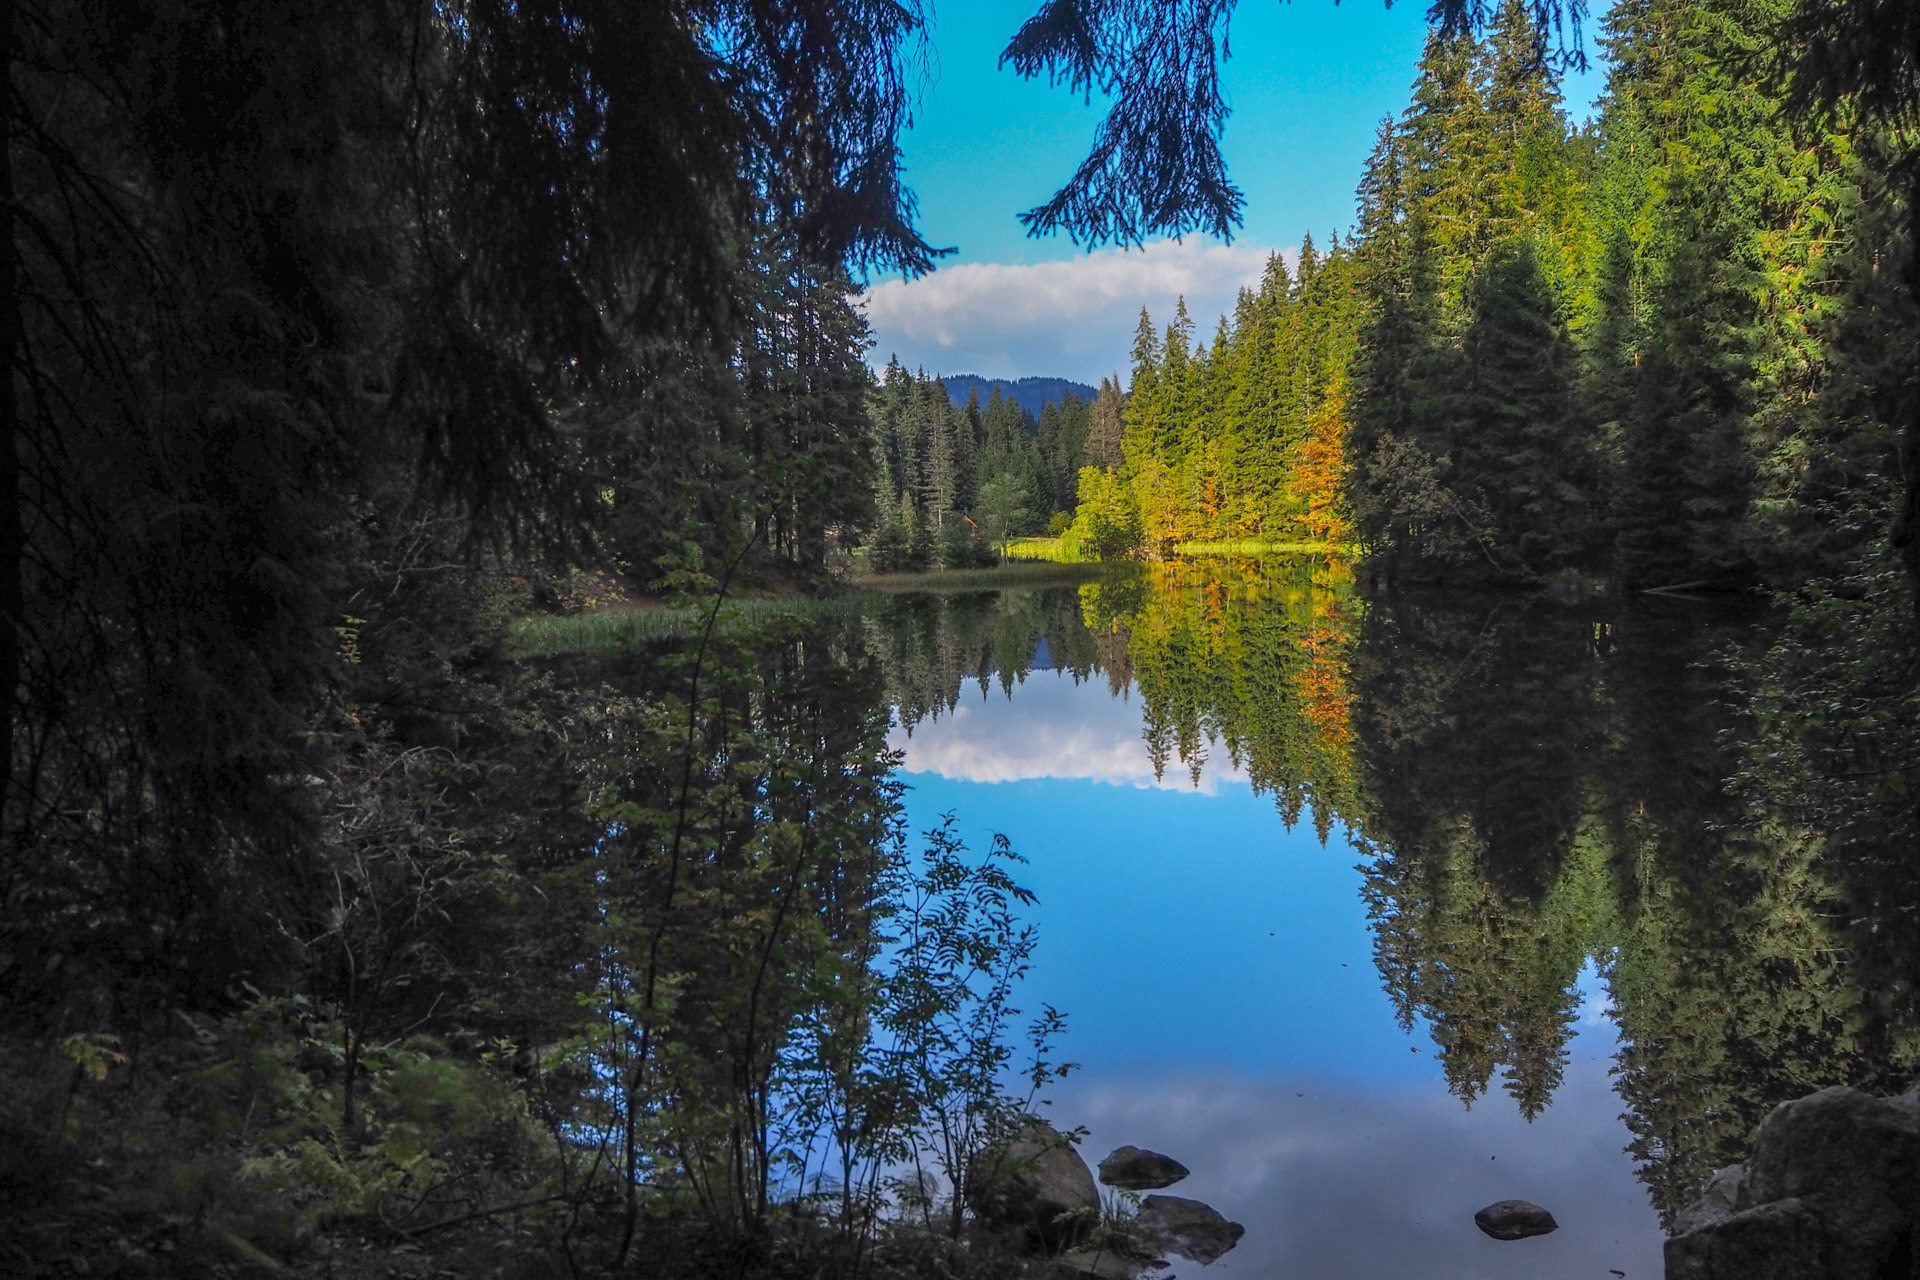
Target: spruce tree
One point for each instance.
(1146, 407)
(1514, 441)
(1107, 426)
(1714, 304)
(1450, 171)
(1175, 386)
(1054, 493)
(890, 409)
(943, 461)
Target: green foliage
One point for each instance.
(1003, 507)
(892, 547)
(1407, 507)
(942, 462)
(964, 545)
(1239, 441)
(1723, 215)
(1106, 523)
(223, 1140)
(1476, 261)
(958, 951)
(1588, 353)
(927, 447)
(1052, 550)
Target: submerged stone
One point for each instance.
(1132, 1169)
(1104, 1264)
(1188, 1228)
(1514, 1220)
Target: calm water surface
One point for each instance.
(1374, 910)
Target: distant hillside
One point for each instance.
(1029, 393)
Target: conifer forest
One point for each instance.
(472, 590)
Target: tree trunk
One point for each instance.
(12, 531)
(1906, 522)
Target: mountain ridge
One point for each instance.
(1031, 393)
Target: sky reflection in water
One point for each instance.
(1217, 972)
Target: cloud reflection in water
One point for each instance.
(1365, 1184)
(1050, 728)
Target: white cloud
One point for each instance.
(1071, 319)
(1053, 729)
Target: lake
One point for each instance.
(1373, 908)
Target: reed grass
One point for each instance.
(1039, 549)
(614, 631)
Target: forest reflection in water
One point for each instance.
(1533, 789)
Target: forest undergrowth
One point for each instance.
(504, 1056)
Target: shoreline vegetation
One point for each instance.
(615, 625)
(1063, 550)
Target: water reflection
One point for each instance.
(1345, 1183)
(1053, 730)
(1535, 792)
(1544, 786)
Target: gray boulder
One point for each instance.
(1188, 1228)
(1514, 1220)
(1828, 1191)
(1036, 1185)
(1716, 1204)
(1783, 1240)
(1132, 1169)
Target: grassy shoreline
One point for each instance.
(1050, 549)
(1031, 562)
(614, 629)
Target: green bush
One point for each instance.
(964, 546)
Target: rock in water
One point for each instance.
(1829, 1191)
(1132, 1169)
(1188, 1228)
(1716, 1204)
(1514, 1220)
(1036, 1183)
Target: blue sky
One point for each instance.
(1308, 83)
